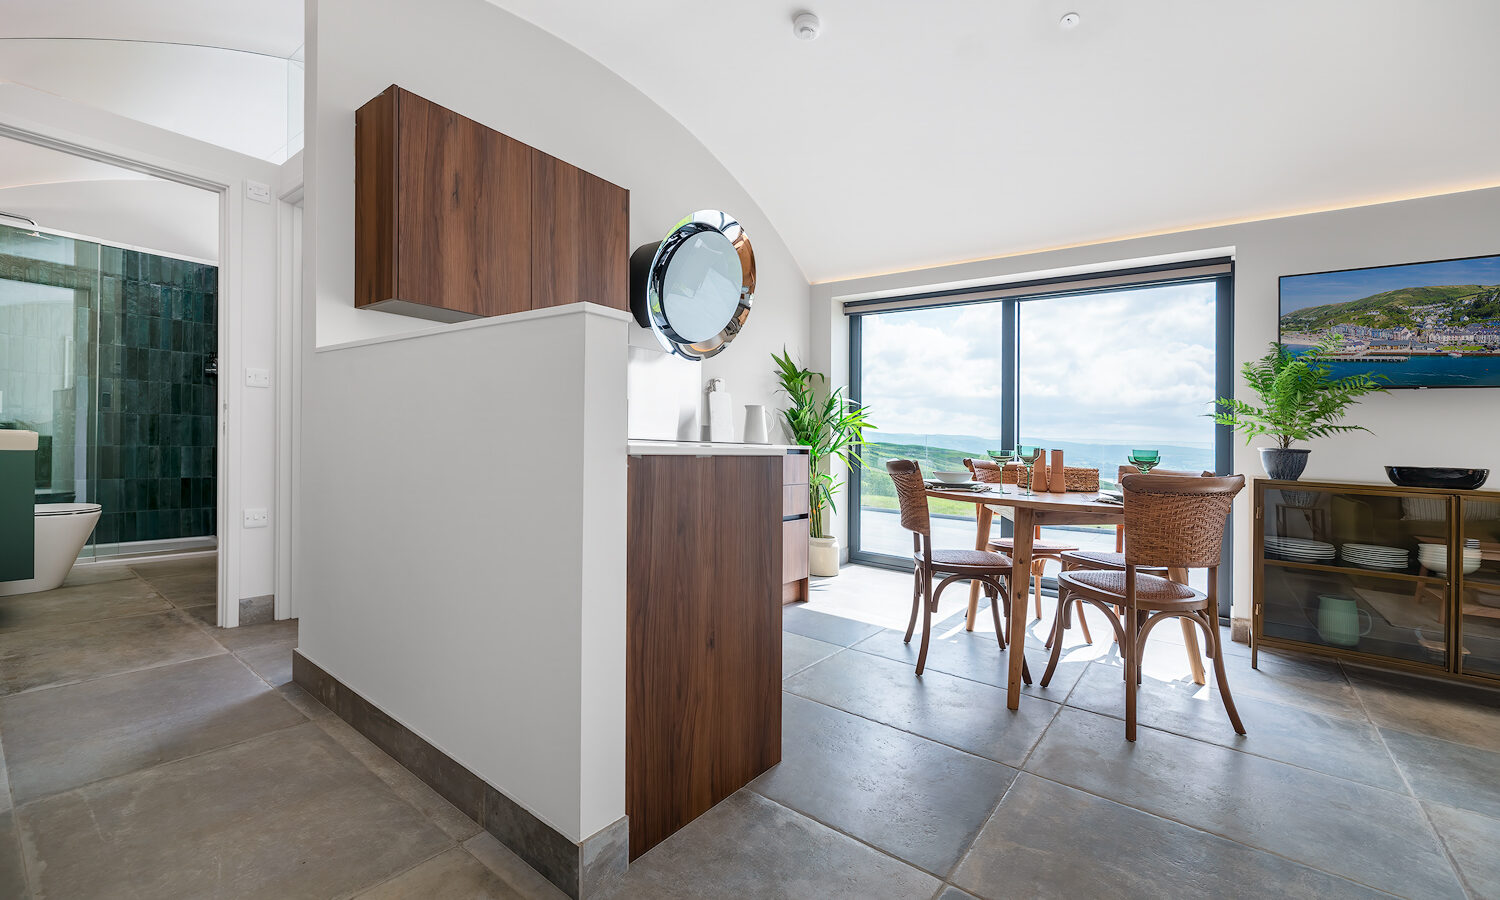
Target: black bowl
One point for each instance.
(1437, 477)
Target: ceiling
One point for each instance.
(272, 27)
(910, 135)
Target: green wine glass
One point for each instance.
(1028, 455)
(1002, 458)
(1145, 460)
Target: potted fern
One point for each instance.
(832, 428)
(1300, 401)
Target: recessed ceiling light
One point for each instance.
(1070, 20)
(806, 26)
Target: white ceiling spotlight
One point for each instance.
(1069, 21)
(806, 26)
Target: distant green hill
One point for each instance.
(1458, 303)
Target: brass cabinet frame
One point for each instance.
(1454, 580)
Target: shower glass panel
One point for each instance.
(105, 352)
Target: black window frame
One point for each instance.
(1010, 400)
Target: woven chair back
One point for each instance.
(986, 471)
(912, 494)
(1132, 470)
(1177, 520)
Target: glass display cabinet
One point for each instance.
(1403, 577)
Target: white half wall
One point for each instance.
(1430, 427)
(485, 63)
(461, 546)
(251, 272)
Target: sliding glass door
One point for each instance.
(1094, 373)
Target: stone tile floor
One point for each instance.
(148, 754)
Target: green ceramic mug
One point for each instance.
(1339, 621)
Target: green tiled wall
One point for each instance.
(155, 439)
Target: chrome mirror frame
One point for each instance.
(648, 271)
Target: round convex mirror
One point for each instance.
(693, 290)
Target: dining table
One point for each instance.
(1029, 511)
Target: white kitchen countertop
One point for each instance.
(17, 440)
(707, 448)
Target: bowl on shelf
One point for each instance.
(953, 477)
(1436, 559)
(1437, 477)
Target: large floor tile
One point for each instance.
(916, 800)
(246, 636)
(1344, 747)
(977, 656)
(1047, 840)
(965, 714)
(204, 564)
(1452, 712)
(1310, 682)
(1368, 835)
(1454, 774)
(511, 869)
(823, 627)
(272, 662)
(12, 869)
(97, 573)
(286, 815)
(186, 590)
(84, 603)
(63, 737)
(53, 656)
(451, 874)
(798, 652)
(750, 848)
(1472, 840)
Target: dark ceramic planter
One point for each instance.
(1283, 465)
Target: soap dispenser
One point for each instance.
(720, 413)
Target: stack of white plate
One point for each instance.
(1374, 556)
(1299, 549)
(1435, 557)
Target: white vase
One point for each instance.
(755, 425)
(822, 556)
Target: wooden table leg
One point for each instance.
(1020, 586)
(1190, 632)
(981, 542)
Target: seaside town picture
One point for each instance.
(1433, 324)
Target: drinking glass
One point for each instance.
(1003, 458)
(1028, 456)
(1145, 460)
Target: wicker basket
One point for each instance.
(1074, 478)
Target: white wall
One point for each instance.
(1431, 427)
(250, 271)
(488, 65)
(461, 546)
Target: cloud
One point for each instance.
(1126, 365)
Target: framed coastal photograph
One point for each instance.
(1421, 325)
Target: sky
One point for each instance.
(1124, 365)
(1300, 291)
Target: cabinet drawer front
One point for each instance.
(793, 550)
(794, 500)
(794, 468)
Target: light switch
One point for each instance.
(258, 378)
(260, 193)
(257, 518)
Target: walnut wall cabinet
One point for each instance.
(454, 220)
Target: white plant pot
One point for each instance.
(822, 556)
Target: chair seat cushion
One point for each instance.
(1038, 547)
(948, 560)
(1100, 559)
(1149, 589)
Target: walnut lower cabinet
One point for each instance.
(704, 582)
(1403, 578)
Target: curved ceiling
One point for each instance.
(272, 27)
(912, 135)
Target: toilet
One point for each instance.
(61, 531)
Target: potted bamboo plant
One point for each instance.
(1300, 401)
(832, 428)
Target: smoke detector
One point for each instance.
(806, 26)
(1069, 21)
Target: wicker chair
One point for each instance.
(1041, 550)
(1176, 521)
(990, 569)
